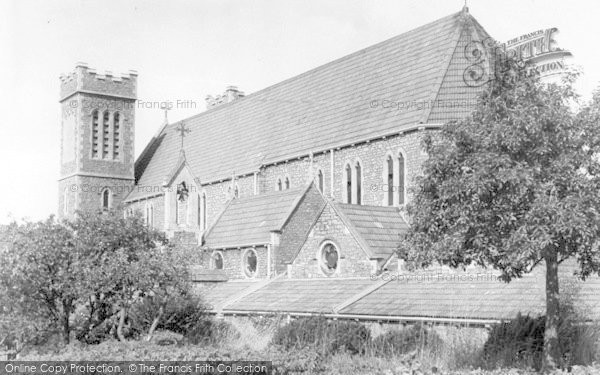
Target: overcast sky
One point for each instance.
(184, 50)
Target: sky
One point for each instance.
(185, 50)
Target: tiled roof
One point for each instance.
(222, 292)
(249, 220)
(199, 273)
(379, 227)
(474, 295)
(326, 107)
(300, 295)
(453, 295)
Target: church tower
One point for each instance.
(97, 153)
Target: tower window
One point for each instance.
(278, 186)
(287, 183)
(250, 263)
(116, 134)
(106, 199)
(66, 202)
(236, 191)
(149, 216)
(105, 134)
(95, 135)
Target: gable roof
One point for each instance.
(379, 228)
(330, 106)
(250, 220)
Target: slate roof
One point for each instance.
(222, 292)
(199, 273)
(474, 295)
(250, 220)
(450, 296)
(379, 228)
(326, 107)
(300, 295)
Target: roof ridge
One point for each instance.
(310, 71)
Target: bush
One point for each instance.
(325, 336)
(520, 342)
(399, 342)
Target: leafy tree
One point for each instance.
(97, 265)
(514, 185)
(125, 261)
(38, 278)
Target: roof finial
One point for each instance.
(182, 130)
(465, 8)
(166, 109)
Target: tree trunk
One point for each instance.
(121, 324)
(551, 357)
(155, 323)
(65, 323)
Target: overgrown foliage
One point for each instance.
(89, 272)
(514, 185)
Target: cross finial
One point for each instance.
(183, 130)
(166, 109)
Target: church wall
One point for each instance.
(85, 193)
(218, 194)
(371, 155)
(158, 209)
(233, 258)
(354, 261)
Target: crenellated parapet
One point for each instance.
(90, 81)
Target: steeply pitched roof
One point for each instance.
(379, 228)
(330, 106)
(250, 220)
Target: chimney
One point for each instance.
(231, 93)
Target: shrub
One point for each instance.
(325, 336)
(520, 342)
(399, 342)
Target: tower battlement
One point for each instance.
(90, 81)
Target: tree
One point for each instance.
(98, 265)
(513, 185)
(38, 276)
(125, 262)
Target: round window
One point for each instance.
(329, 258)
(250, 263)
(217, 261)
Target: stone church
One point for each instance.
(293, 195)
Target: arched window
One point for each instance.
(106, 199)
(66, 201)
(95, 135)
(348, 183)
(216, 261)
(250, 263)
(320, 180)
(287, 183)
(358, 170)
(278, 187)
(390, 181)
(181, 203)
(149, 215)
(116, 134)
(105, 134)
(401, 187)
(329, 257)
(202, 212)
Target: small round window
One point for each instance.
(250, 263)
(329, 258)
(216, 261)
